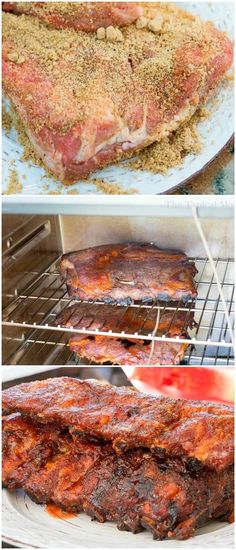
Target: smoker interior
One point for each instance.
(33, 292)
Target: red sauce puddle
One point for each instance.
(57, 512)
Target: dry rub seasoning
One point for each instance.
(157, 158)
(26, 38)
(170, 151)
(74, 90)
(14, 187)
(111, 188)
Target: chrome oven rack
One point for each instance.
(31, 336)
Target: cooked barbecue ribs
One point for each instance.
(124, 273)
(125, 350)
(25, 446)
(83, 16)
(87, 102)
(80, 475)
(199, 433)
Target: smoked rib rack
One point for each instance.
(33, 338)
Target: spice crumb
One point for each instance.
(141, 22)
(14, 187)
(6, 121)
(101, 33)
(111, 34)
(155, 24)
(111, 188)
(73, 192)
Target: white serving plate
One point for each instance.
(215, 133)
(19, 371)
(28, 525)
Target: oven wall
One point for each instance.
(167, 232)
(29, 245)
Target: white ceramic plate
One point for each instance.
(215, 133)
(28, 525)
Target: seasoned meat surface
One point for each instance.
(126, 350)
(84, 16)
(124, 273)
(200, 433)
(80, 475)
(86, 103)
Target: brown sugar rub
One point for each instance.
(87, 102)
(83, 16)
(157, 158)
(171, 150)
(14, 187)
(10, 120)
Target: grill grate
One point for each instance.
(32, 337)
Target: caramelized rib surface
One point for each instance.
(124, 273)
(125, 350)
(200, 433)
(146, 493)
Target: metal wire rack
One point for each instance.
(33, 338)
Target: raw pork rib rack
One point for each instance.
(86, 102)
(142, 450)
